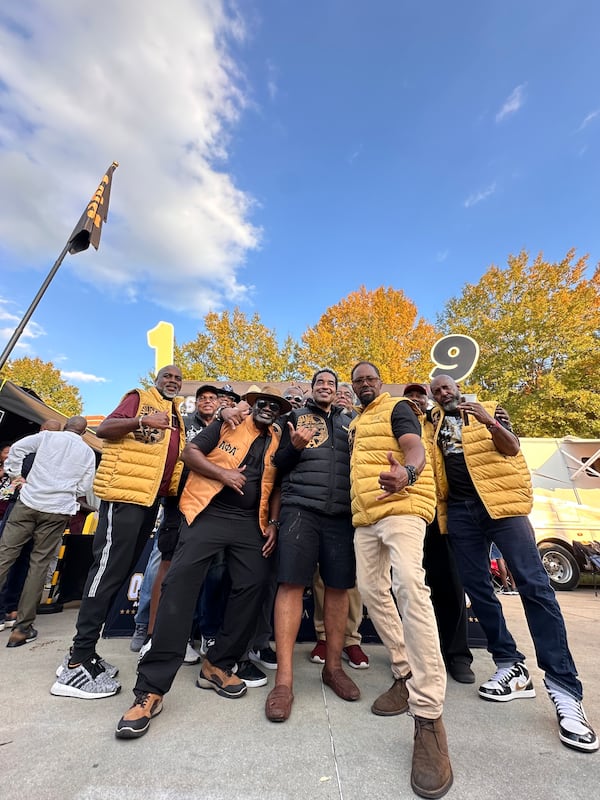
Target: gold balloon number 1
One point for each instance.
(161, 340)
(454, 355)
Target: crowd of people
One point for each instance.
(387, 502)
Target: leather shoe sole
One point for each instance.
(278, 706)
(341, 684)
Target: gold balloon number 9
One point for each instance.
(454, 355)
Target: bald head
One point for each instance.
(445, 392)
(168, 381)
(76, 425)
(51, 425)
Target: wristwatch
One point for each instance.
(275, 522)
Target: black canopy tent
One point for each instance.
(22, 412)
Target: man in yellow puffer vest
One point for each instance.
(143, 438)
(393, 499)
(484, 495)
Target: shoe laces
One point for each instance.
(141, 699)
(503, 675)
(567, 707)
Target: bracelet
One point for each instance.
(493, 425)
(217, 415)
(275, 522)
(412, 474)
(141, 426)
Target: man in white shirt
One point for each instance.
(62, 471)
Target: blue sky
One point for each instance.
(277, 155)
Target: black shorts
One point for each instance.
(307, 538)
(167, 541)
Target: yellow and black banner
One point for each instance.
(88, 229)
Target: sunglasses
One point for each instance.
(270, 404)
(296, 398)
(370, 380)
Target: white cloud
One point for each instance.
(513, 102)
(272, 75)
(82, 377)
(586, 120)
(441, 256)
(9, 321)
(158, 91)
(477, 197)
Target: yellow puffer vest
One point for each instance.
(131, 468)
(371, 438)
(503, 482)
(231, 450)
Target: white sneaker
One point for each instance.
(205, 644)
(191, 656)
(508, 683)
(574, 730)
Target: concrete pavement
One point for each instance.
(203, 746)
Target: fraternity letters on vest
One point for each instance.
(229, 453)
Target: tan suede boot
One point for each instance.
(431, 774)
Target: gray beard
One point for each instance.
(451, 405)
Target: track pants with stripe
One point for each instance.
(123, 530)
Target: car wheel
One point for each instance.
(560, 565)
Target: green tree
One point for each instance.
(537, 325)
(379, 326)
(46, 381)
(233, 347)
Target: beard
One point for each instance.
(451, 405)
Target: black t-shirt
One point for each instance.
(460, 485)
(228, 502)
(404, 420)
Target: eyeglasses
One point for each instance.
(370, 380)
(270, 404)
(296, 398)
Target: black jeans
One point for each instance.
(241, 541)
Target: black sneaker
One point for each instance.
(20, 636)
(251, 674)
(266, 657)
(136, 721)
(222, 681)
(574, 730)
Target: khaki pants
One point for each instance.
(413, 643)
(46, 530)
(355, 612)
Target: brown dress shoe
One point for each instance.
(279, 704)
(394, 701)
(341, 683)
(431, 774)
(20, 636)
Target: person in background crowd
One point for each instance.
(63, 470)
(346, 398)
(441, 575)
(294, 394)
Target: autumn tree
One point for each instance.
(379, 326)
(537, 325)
(233, 347)
(46, 381)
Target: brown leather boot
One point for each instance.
(394, 701)
(431, 774)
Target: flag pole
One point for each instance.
(86, 232)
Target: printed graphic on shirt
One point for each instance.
(319, 426)
(450, 437)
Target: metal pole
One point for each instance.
(29, 313)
